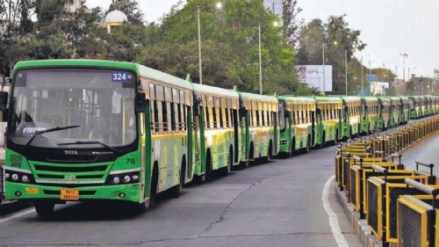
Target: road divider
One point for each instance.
(389, 204)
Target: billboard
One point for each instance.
(314, 76)
(378, 87)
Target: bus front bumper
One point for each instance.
(123, 192)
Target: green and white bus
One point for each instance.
(396, 109)
(351, 115)
(260, 118)
(369, 114)
(327, 119)
(384, 113)
(97, 130)
(221, 136)
(297, 121)
(405, 117)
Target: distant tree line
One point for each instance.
(44, 29)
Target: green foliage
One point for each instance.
(230, 40)
(335, 38)
(291, 21)
(230, 46)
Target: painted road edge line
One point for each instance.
(333, 220)
(17, 215)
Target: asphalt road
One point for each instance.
(273, 204)
(426, 151)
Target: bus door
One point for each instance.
(313, 127)
(236, 131)
(244, 130)
(319, 123)
(198, 131)
(345, 120)
(275, 121)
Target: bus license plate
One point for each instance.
(69, 194)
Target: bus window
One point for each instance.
(173, 119)
(156, 117)
(214, 123)
(165, 116)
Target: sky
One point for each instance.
(388, 27)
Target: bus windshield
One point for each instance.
(99, 101)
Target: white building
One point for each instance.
(115, 19)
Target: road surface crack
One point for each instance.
(221, 217)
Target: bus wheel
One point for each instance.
(322, 144)
(200, 179)
(44, 209)
(230, 162)
(293, 147)
(270, 152)
(308, 145)
(176, 191)
(246, 164)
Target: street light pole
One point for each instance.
(346, 70)
(200, 65)
(404, 56)
(362, 78)
(323, 65)
(260, 60)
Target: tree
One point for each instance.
(336, 39)
(15, 15)
(79, 27)
(230, 46)
(291, 21)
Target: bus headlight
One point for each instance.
(116, 180)
(18, 176)
(25, 179)
(123, 178)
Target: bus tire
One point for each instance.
(308, 145)
(44, 209)
(209, 171)
(293, 147)
(270, 152)
(322, 144)
(230, 162)
(250, 156)
(336, 137)
(176, 190)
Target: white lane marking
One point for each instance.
(333, 221)
(17, 215)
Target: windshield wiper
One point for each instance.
(90, 142)
(39, 132)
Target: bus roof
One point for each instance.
(328, 99)
(141, 70)
(370, 98)
(302, 99)
(75, 63)
(206, 89)
(258, 97)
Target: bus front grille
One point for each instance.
(73, 174)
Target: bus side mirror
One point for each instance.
(3, 101)
(140, 102)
